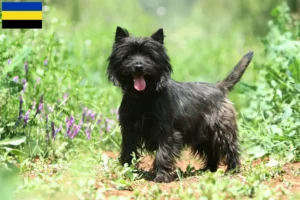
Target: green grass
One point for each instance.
(67, 69)
(94, 176)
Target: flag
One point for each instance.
(25, 15)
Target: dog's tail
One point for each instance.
(235, 75)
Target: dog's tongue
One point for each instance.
(139, 83)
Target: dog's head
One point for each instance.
(139, 64)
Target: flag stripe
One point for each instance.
(22, 15)
(22, 6)
(25, 24)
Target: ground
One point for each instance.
(188, 159)
(114, 182)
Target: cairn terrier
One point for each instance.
(162, 115)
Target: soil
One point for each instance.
(288, 179)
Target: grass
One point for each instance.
(99, 175)
(59, 136)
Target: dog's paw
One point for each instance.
(161, 178)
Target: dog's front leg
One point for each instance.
(164, 163)
(129, 144)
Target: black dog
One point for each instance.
(163, 115)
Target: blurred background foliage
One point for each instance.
(55, 95)
(199, 28)
(66, 60)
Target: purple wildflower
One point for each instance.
(89, 112)
(69, 124)
(88, 132)
(26, 117)
(52, 129)
(39, 107)
(108, 124)
(20, 111)
(65, 97)
(114, 111)
(76, 129)
(9, 61)
(41, 104)
(57, 130)
(50, 108)
(46, 62)
(21, 102)
(117, 113)
(90, 115)
(99, 120)
(47, 130)
(24, 85)
(16, 79)
(93, 115)
(26, 67)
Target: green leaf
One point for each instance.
(287, 113)
(11, 124)
(40, 71)
(15, 151)
(297, 87)
(257, 152)
(14, 141)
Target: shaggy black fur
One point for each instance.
(163, 115)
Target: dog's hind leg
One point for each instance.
(169, 148)
(232, 158)
(212, 158)
(209, 154)
(226, 135)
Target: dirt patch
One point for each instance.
(186, 159)
(286, 179)
(289, 179)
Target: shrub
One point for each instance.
(273, 119)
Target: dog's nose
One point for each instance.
(138, 65)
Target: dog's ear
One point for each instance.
(121, 33)
(158, 36)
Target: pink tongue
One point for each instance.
(139, 83)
